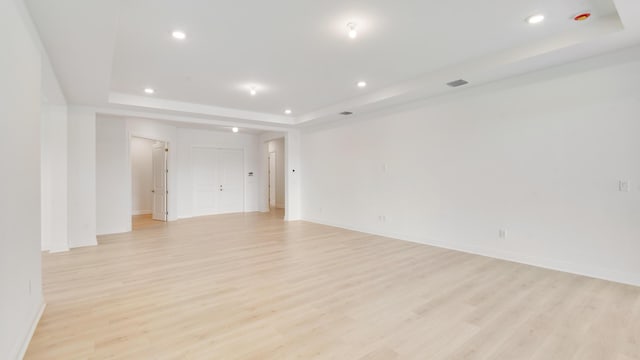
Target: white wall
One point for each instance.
(113, 185)
(54, 143)
(277, 146)
(293, 170)
(189, 138)
(81, 177)
(54, 177)
(114, 199)
(20, 97)
(46, 206)
(540, 156)
(141, 175)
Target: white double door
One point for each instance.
(218, 180)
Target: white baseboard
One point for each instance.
(32, 330)
(552, 264)
(142, 212)
(54, 251)
(91, 242)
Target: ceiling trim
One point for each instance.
(186, 119)
(147, 102)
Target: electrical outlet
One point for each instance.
(382, 218)
(502, 233)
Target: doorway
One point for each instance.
(149, 182)
(276, 177)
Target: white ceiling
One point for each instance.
(298, 53)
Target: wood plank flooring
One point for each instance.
(139, 222)
(251, 286)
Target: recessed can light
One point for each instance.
(288, 111)
(253, 91)
(149, 91)
(362, 84)
(235, 129)
(353, 30)
(179, 35)
(535, 19)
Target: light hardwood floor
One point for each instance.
(254, 287)
(139, 222)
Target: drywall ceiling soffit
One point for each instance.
(189, 120)
(298, 53)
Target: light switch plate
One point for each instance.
(624, 186)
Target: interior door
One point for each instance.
(159, 161)
(218, 181)
(272, 180)
(204, 162)
(231, 189)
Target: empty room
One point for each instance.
(338, 179)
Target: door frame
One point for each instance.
(275, 179)
(244, 171)
(169, 165)
(288, 172)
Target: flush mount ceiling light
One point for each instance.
(288, 111)
(149, 91)
(362, 84)
(235, 129)
(535, 19)
(353, 30)
(178, 35)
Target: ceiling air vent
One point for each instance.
(346, 113)
(457, 83)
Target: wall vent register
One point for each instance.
(457, 83)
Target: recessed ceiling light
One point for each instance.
(179, 35)
(362, 84)
(149, 91)
(535, 19)
(288, 111)
(353, 30)
(253, 91)
(235, 129)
